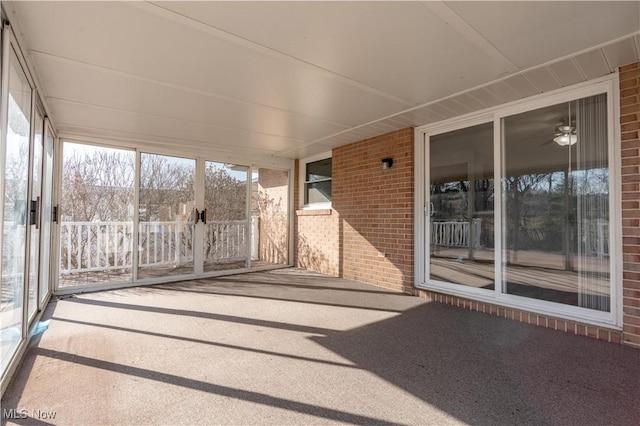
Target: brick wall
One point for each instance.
(372, 213)
(316, 237)
(629, 130)
(375, 209)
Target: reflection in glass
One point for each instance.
(556, 204)
(46, 212)
(15, 169)
(36, 200)
(270, 217)
(461, 209)
(167, 214)
(318, 182)
(96, 214)
(226, 239)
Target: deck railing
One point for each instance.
(102, 246)
(455, 234)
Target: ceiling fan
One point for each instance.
(565, 135)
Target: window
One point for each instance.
(317, 182)
(542, 237)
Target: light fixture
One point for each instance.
(387, 163)
(565, 135)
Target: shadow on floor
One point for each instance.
(430, 363)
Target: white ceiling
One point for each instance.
(292, 79)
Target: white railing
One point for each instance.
(103, 246)
(595, 237)
(455, 234)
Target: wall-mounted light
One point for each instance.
(387, 163)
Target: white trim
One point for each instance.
(615, 201)
(612, 319)
(302, 168)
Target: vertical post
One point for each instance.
(178, 226)
(471, 207)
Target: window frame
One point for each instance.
(303, 182)
(606, 85)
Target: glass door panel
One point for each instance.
(96, 215)
(226, 236)
(556, 204)
(16, 171)
(269, 217)
(47, 212)
(166, 216)
(34, 213)
(461, 210)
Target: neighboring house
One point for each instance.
(452, 151)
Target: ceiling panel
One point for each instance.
(97, 86)
(125, 37)
(567, 72)
(148, 127)
(593, 63)
(543, 79)
(521, 85)
(354, 38)
(621, 53)
(293, 78)
(534, 32)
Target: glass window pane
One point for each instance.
(36, 196)
(226, 241)
(46, 212)
(167, 215)
(556, 204)
(16, 171)
(318, 192)
(96, 215)
(318, 170)
(461, 207)
(270, 217)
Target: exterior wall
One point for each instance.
(630, 136)
(272, 206)
(373, 212)
(318, 241)
(316, 236)
(375, 208)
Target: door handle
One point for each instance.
(33, 210)
(201, 216)
(38, 206)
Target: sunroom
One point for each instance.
(478, 153)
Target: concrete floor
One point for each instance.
(290, 347)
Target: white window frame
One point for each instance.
(613, 318)
(302, 173)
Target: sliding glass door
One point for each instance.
(96, 215)
(556, 204)
(546, 225)
(166, 214)
(195, 217)
(15, 209)
(46, 215)
(461, 212)
(34, 215)
(226, 233)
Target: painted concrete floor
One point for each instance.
(290, 347)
